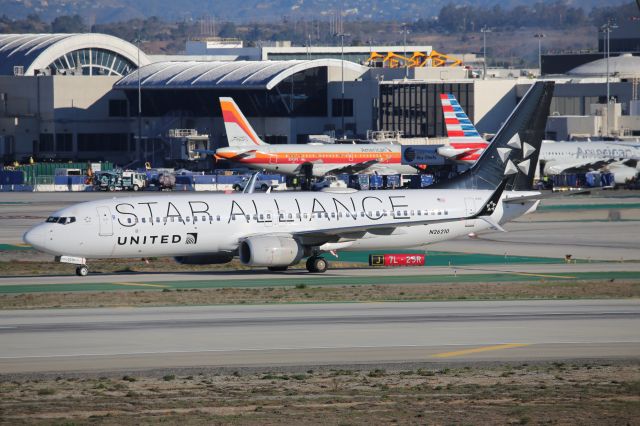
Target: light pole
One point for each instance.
(404, 50)
(606, 29)
(342, 36)
(484, 30)
(539, 36)
(138, 145)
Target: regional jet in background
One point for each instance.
(278, 230)
(245, 147)
(466, 145)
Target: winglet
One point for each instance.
(239, 131)
(491, 204)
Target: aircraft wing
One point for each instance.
(249, 153)
(452, 153)
(514, 199)
(241, 154)
(557, 167)
(354, 168)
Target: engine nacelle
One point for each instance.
(622, 174)
(270, 251)
(205, 259)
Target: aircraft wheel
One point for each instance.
(82, 271)
(309, 264)
(277, 268)
(317, 264)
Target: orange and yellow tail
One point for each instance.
(239, 131)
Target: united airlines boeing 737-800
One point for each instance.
(278, 230)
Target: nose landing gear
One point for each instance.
(81, 264)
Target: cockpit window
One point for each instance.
(61, 220)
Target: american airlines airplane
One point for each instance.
(278, 230)
(466, 146)
(245, 147)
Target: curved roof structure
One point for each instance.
(623, 66)
(225, 75)
(91, 52)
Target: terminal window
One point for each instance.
(117, 108)
(64, 142)
(336, 107)
(46, 142)
(103, 142)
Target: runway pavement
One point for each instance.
(317, 334)
(259, 277)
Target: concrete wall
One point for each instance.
(494, 100)
(561, 128)
(57, 104)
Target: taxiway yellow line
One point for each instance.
(481, 349)
(541, 275)
(142, 285)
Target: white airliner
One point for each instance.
(466, 146)
(278, 230)
(617, 157)
(245, 147)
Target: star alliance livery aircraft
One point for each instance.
(278, 230)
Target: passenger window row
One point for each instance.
(282, 216)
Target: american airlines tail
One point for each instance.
(465, 143)
(239, 131)
(460, 129)
(514, 150)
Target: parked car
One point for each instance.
(328, 182)
(261, 184)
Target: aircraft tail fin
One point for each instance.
(514, 150)
(239, 131)
(460, 129)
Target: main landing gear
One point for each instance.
(317, 264)
(82, 271)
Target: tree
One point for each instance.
(228, 30)
(68, 24)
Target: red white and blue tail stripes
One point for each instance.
(461, 131)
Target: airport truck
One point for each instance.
(127, 180)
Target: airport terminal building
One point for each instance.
(77, 97)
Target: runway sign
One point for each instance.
(396, 259)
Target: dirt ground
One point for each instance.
(604, 394)
(30, 262)
(297, 293)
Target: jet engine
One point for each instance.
(270, 251)
(205, 259)
(623, 174)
